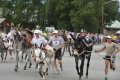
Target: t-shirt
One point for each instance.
(39, 40)
(56, 42)
(110, 48)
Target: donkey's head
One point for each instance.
(39, 55)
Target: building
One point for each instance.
(111, 29)
(5, 25)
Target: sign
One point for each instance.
(50, 29)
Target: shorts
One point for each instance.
(58, 54)
(108, 58)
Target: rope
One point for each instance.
(83, 52)
(112, 58)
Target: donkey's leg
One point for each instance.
(23, 51)
(66, 47)
(27, 60)
(2, 55)
(40, 69)
(63, 51)
(17, 60)
(69, 50)
(45, 69)
(56, 65)
(26, 64)
(88, 62)
(72, 50)
(30, 54)
(47, 65)
(76, 62)
(26, 56)
(53, 66)
(21, 58)
(81, 66)
(6, 53)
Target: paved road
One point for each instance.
(96, 71)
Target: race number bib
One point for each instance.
(56, 43)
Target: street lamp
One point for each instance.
(103, 4)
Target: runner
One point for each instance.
(57, 43)
(38, 40)
(111, 50)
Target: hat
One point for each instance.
(109, 37)
(37, 31)
(55, 31)
(118, 32)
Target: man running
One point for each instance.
(57, 43)
(111, 49)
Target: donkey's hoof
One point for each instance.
(40, 74)
(79, 76)
(15, 70)
(43, 78)
(30, 66)
(58, 72)
(78, 73)
(47, 73)
(25, 68)
(87, 76)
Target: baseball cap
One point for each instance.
(55, 31)
(109, 37)
(36, 31)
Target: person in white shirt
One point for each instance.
(38, 39)
(57, 42)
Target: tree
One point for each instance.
(63, 14)
(51, 12)
(83, 15)
(110, 12)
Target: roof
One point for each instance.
(114, 25)
(2, 19)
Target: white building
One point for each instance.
(111, 29)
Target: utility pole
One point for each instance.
(103, 4)
(102, 26)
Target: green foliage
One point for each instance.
(63, 14)
(110, 12)
(84, 17)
